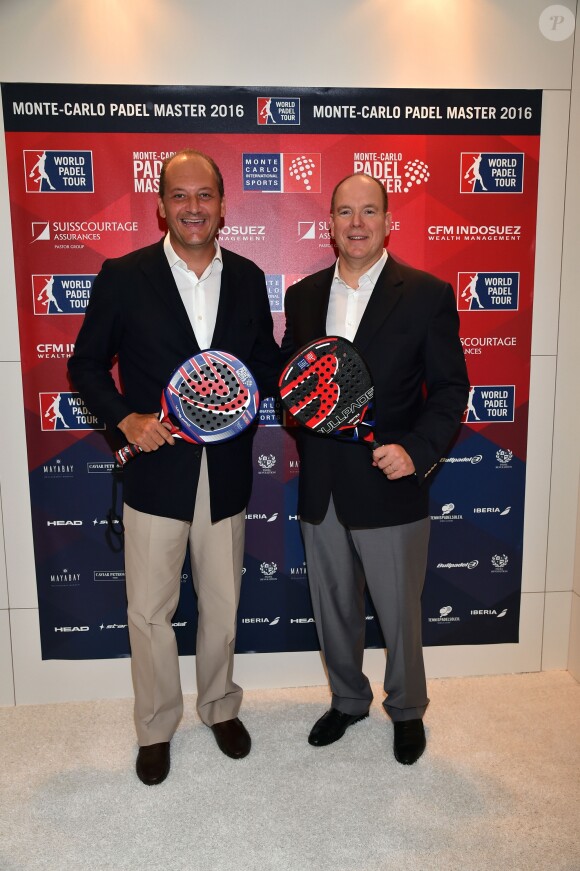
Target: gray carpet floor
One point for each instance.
(498, 787)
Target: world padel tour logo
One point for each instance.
(488, 291)
(293, 173)
(56, 172)
(491, 173)
(61, 294)
(65, 410)
(278, 111)
(490, 404)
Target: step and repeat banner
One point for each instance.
(461, 170)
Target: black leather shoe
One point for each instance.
(153, 763)
(232, 738)
(409, 741)
(332, 726)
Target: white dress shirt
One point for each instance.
(200, 296)
(347, 305)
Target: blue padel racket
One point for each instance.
(328, 388)
(212, 397)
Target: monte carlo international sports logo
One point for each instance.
(57, 172)
(491, 173)
(288, 173)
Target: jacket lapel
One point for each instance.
(385, 296)
(159, 274)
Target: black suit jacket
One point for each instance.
(409, 338)
(135, 313)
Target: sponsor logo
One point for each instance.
(504, 457)
(476, 458)
(108, 575)
(472, 564)
(491, 173)
(294, 466)
(490, 404)
(298, 571)
(272, 110)
(485, 612)
(293, 517)
(65, 410)
(302, 620)
(392, 170)
(488, 291)
(270, 412)
(64, 522)
(476, 344)
(264, 620)
(55, 172)
(444, 616)
(474, 232)
(65, 578)
(495, 510)
(105, 521)
(58, 469)
(146, 170)
(113, 626)
(280, 172)
(71, 628)
(102, 468)
(268, 571)
(499, 562)
(275, 287)
(266, 462)
(265, 517)
(61, 294)
(447, 514)
(73, 234)
(54, 350)
(242, 233)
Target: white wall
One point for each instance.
(350, 43)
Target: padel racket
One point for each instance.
(212, 397)
(328, 388)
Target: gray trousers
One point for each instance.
(393, 561)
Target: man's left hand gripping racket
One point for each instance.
(212, 397)
(328, 388)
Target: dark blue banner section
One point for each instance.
(170, 109)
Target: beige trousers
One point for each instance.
(155, 549)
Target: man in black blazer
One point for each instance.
(366, 516)
(152, 309)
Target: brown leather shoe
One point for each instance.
(153, 763)
(232, 738)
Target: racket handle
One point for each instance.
(127, 453)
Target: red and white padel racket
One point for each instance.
(328, 388)
(212, 397)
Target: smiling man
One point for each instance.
(153, 309)
(370, 511)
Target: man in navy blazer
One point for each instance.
(370, 511)
(152, 309)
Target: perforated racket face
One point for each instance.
(213, 396)
(327, 387)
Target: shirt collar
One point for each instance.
(175, 260)
(371, 274)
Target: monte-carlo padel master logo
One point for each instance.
(57, 172)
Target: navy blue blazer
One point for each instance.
(409, 338)
(135, 314)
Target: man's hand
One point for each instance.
(393, 461)
(145, 431)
